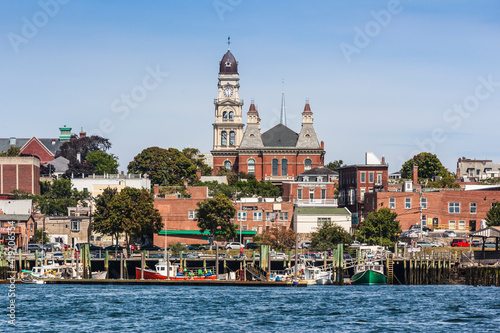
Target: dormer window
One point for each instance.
(308, 135)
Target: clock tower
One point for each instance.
(228, 126)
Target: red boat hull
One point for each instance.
(152, 275)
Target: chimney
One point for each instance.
(383, 159)
(214, 173)
(415, 174)
(122, 173)
(198, 174)
(156, 189)
(185, 183)
(83, 134)
(323, 145)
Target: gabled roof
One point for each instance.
(321, 211)
(15, 217)
(37, 142)
(486, 232)
(279, 136)
(321, 170)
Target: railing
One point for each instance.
(315, 202)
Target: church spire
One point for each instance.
(283, 111)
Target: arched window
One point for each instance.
(223, 138)
(284, 167)
(307, 164)
(232, 137)
(251, 166)
(227, 165)
(275, 166)
(224, 115)
(231, 115)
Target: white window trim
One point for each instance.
(406, 199)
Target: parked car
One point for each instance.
(114, 248)
(151, 247)
(234, 245)
(489, 244)
(100, 255)
(449, 233)
(476, 242)
(436, 244)
(417, 227)
(252, 246)
(92, 247)
(461, 242)
(34, 247)
(240, 256)
(58, 255)
(156, 255)
(305, 245)
(424, 244)
(52, 246)
(210, 246)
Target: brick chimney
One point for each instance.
(415, 174)
(323, 145)
(82, 134)
(198, 174)
(156, 189)
(383, 159)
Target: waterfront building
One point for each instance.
(19, 173)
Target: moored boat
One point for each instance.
(174, 272)
(369, 273)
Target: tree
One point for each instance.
(55, 197)
(493, 215)
(243, 188)
(163, 166)
(215, 215)
(11, 152)
(196, 158)
(428, 164)
(41, 236)
(335, 165)
(103, 162)
(130, 211)
(280, 238)
(380, 228)
(328, 236)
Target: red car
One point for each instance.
(460, 242)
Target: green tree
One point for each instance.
(41, 237)
(328, 236)
(55, 197)
(215, 215)
(103, 162)
(243, 188)
(380, 228)
(428, 164)
(197, 159)
(130, 211)
(335, 165)
(493, 215)
(280, 238)
(11, 152)
(163, 166)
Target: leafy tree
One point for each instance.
(57, 196)
(163, 166)
(279, 238)
(335, 165)
(196, 158)
(328, 236)
(76, 152)
(380, 228)
(428, 164)
(493, 215)
(103, 162)
(445, 182)
(215, 215)
(249, 188)
(130, 211)
(177, 248)
(41, 236)
(47, 169)
(11, 152)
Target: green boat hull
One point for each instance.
(368, 277)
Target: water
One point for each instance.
(69, 308)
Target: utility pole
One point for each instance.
(421, 224)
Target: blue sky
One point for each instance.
(391, 77)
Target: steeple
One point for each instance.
(252, 137)
(283, 111)
(307, 135)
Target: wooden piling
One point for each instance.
(143, 264)
(106, 264)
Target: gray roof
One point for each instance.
(252, 137)
(321, 211)
(15, 217)
(279, 136)
(20, 142)
(60, 164)
(308, 138)
(321, 170)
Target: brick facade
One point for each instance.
(469, 207)
(19, 173)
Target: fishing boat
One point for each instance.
(172, 271)
(369, 273)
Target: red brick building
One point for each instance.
(19, 173)
(355, 181)
(316, 185)
(276, 155)
(180, 224)
(454, 209)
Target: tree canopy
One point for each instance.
(196, 158)
(428, 164)
(130, 211)
(11, 152)
(335, 165)
(380, 228)
(328, 236)
(493, 215)
(243, 188)
(280, 238)
(164, 166)
(55, 197)
(216, 215)
(103, 162)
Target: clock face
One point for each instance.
(228, 92)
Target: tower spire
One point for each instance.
(283, 111)
(228, 42)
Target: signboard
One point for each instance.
(250, 208)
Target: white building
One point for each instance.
(96, 184)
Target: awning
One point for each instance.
(206, 232)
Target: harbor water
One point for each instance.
(112, 308)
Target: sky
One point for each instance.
(391, 77)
